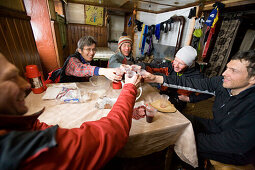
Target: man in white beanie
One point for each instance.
(124, 54)
(183, 65)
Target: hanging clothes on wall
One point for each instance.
(138, 25)
(192, 12)
(164, 26)
(223, 44)
(141, 38)
(144, 38)
(195, 43)
(211, 24)
(149, 41)
(157, 32)
(197, 34)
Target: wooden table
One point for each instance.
(144, 138)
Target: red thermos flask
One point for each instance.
(35, 79)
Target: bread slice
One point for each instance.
(169, 108)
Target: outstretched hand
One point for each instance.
(184, 98)
(151, 78)
(135, 80)
(148, 77)
(110, 73)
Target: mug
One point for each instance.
(139, 93)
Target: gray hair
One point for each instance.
(85, 41)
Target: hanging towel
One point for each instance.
(130, 22)
(157, 32)
(211, 17)
(153, 29)
(141, 38)
(215, 19)
(208, 42)
(139, 24)
(144, 38)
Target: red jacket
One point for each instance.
(93, 144)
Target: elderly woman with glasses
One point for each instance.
(77, 66)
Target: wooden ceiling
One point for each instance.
(152, 6)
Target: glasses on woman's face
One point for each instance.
(88, 50)
(126, 45)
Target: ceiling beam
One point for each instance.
(190, 5)
(151, 2)
(101, 5)
(124, 3)
(230, 3)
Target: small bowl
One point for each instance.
(98, 81)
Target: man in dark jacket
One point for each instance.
(228, 137)
(27, 143)
(183, 65)
(77, 67)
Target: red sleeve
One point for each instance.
(93, 144)
(78, 69)
(40, 125)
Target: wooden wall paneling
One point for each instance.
(31, 51)
(76, 31)
(34, 58)
(99, 35)
(93, 33)
(69, 39)
(21, 44)
(24, 44)
(9, 31)
(4, 48)
(105, 36)
(17, 41)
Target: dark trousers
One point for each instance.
(201, 125)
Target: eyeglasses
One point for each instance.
(126, 45)
(178, 63)
(90, 50)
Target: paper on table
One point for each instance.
(51, 93)
(54, 89)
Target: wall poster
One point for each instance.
(94, 15)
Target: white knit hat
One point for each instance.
(187, 54)
(124, 39)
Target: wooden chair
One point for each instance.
(221, 166)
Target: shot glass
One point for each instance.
(135, 68)
(150, 113)
(131, 74)
(120, 71)
(164, 101)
